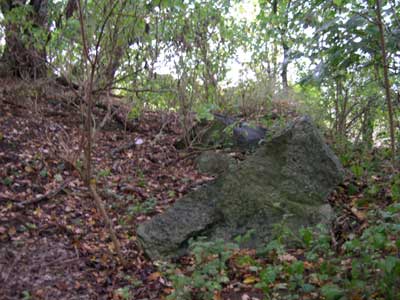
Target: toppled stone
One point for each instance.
(214, 163)
(289, 177)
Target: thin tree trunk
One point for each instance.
(91, 64)
(285, 64)
(343, 113)
(386, 78)
(88, 128)
(337, 107)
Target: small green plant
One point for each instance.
(135, 112)
(104, 173)
(43, 173)
(7, 181)
(79, 165)
(208, 273)
(123, 293)
(143, 207)
(141, 178)
(58, 177)
(357, 170)
(26, 295)
(395, 188)
(242, 239)
(268, 277)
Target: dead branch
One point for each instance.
(123, 148)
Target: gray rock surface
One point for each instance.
(248, 137)
(289, 177)
(214, 163)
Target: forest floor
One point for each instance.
(59, 248)
(53, 242)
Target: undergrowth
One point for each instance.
(365, 264)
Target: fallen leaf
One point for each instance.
(12, 230)
(361, 216)
(308, 265)
(287, 257)
(245, 297)
(217, 296)
(154, 276)
(250, 280)
(168, 290)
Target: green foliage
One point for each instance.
(208, 273)
(332, 292)
(395, 188)
(43, 173)
(123, 293)
(357, 170)
(134, 113)
(104, 173)
(7, 181)
(373, 270)
(26, 295)
(204, 111)
(145, 207)
(127, 292)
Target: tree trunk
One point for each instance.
(285, 64)
(367, 129)
(23, 56)
(337, 99)
(386, 79)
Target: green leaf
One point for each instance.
(306, 235)
(269, 275)
(332, 292)
(296, 268)
(357, 170)
(389, 264)
(308, 288)
(58, 177)
(396, 191)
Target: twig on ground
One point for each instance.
(44, 197)
(123, 148)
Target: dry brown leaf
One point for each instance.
(287, 257)
(217, 296)
(154, 276)
(12, 230)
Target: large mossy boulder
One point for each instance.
(288, 178)
(214, 163)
